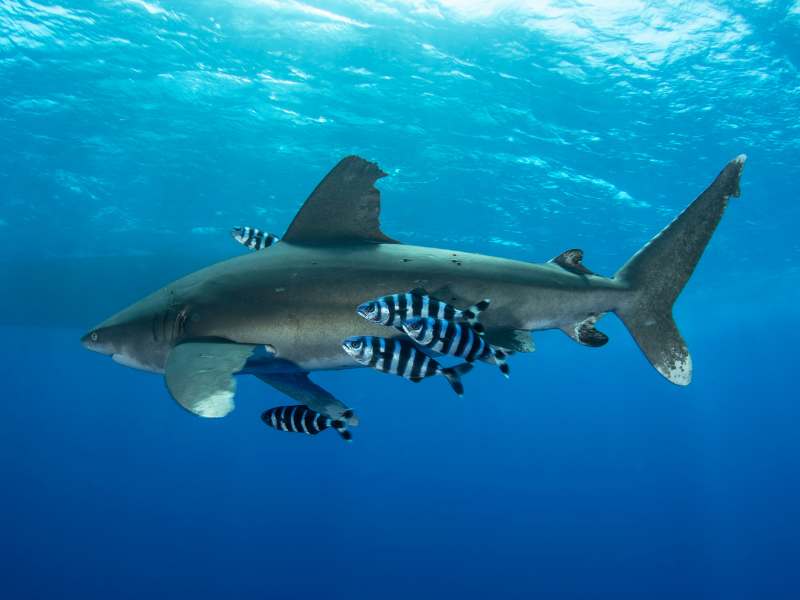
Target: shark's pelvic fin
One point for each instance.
(300, 388)
(344, 208)
(585, 333)
(200, 375)
(513, 340)
(571, 260)
(659, 271)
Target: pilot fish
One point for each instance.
(401, 357)
(301, 419)
(396, 308)
(455, 339)
(253, 238)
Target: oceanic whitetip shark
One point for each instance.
(281, 313)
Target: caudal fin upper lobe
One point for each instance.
(659, 271)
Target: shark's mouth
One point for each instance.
(129, 361)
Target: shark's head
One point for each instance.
(419, 329)
(359, 347)
(100, 339)
(141, 335)
(371, 311)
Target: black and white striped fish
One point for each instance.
(253, 238)
(396, 308)
(401, 357)
(301, 419)
(455, 339)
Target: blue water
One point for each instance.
(135, 133)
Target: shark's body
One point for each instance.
(283, 312)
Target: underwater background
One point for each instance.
(136, 133)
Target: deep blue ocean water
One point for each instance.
(135, 133)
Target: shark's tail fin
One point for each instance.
(658, 272)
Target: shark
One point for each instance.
(281, 314)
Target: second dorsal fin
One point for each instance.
(344, 208)
(571, 260)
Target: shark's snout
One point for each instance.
(93, 341)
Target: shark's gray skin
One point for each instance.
(283, 313)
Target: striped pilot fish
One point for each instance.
(396, 308)
(455, 339)
(253, 238)
(301, 419)
(399, 356)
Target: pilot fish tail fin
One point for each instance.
(453, 376)
(658, 272)
(500, 357)
(341, 428)
(473, 313)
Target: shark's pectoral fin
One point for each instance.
(572, 261)
(514, 340)
(200, 375)
(300, 388)
(343, 209)
(584, 332)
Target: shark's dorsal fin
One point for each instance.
(344, 208)
(572, 260)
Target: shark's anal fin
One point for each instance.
(200, 374)
(514, 340)
(584, 332)
(572, 261)
(343, 209)
(301, 389)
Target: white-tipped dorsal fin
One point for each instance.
(571, 260)
(344, 208)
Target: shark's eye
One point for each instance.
(93, 336)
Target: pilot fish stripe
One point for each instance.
(455, 339)
(396, 308)
(400, 307)
(253, 238)
(301, 419)
(399, 356)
